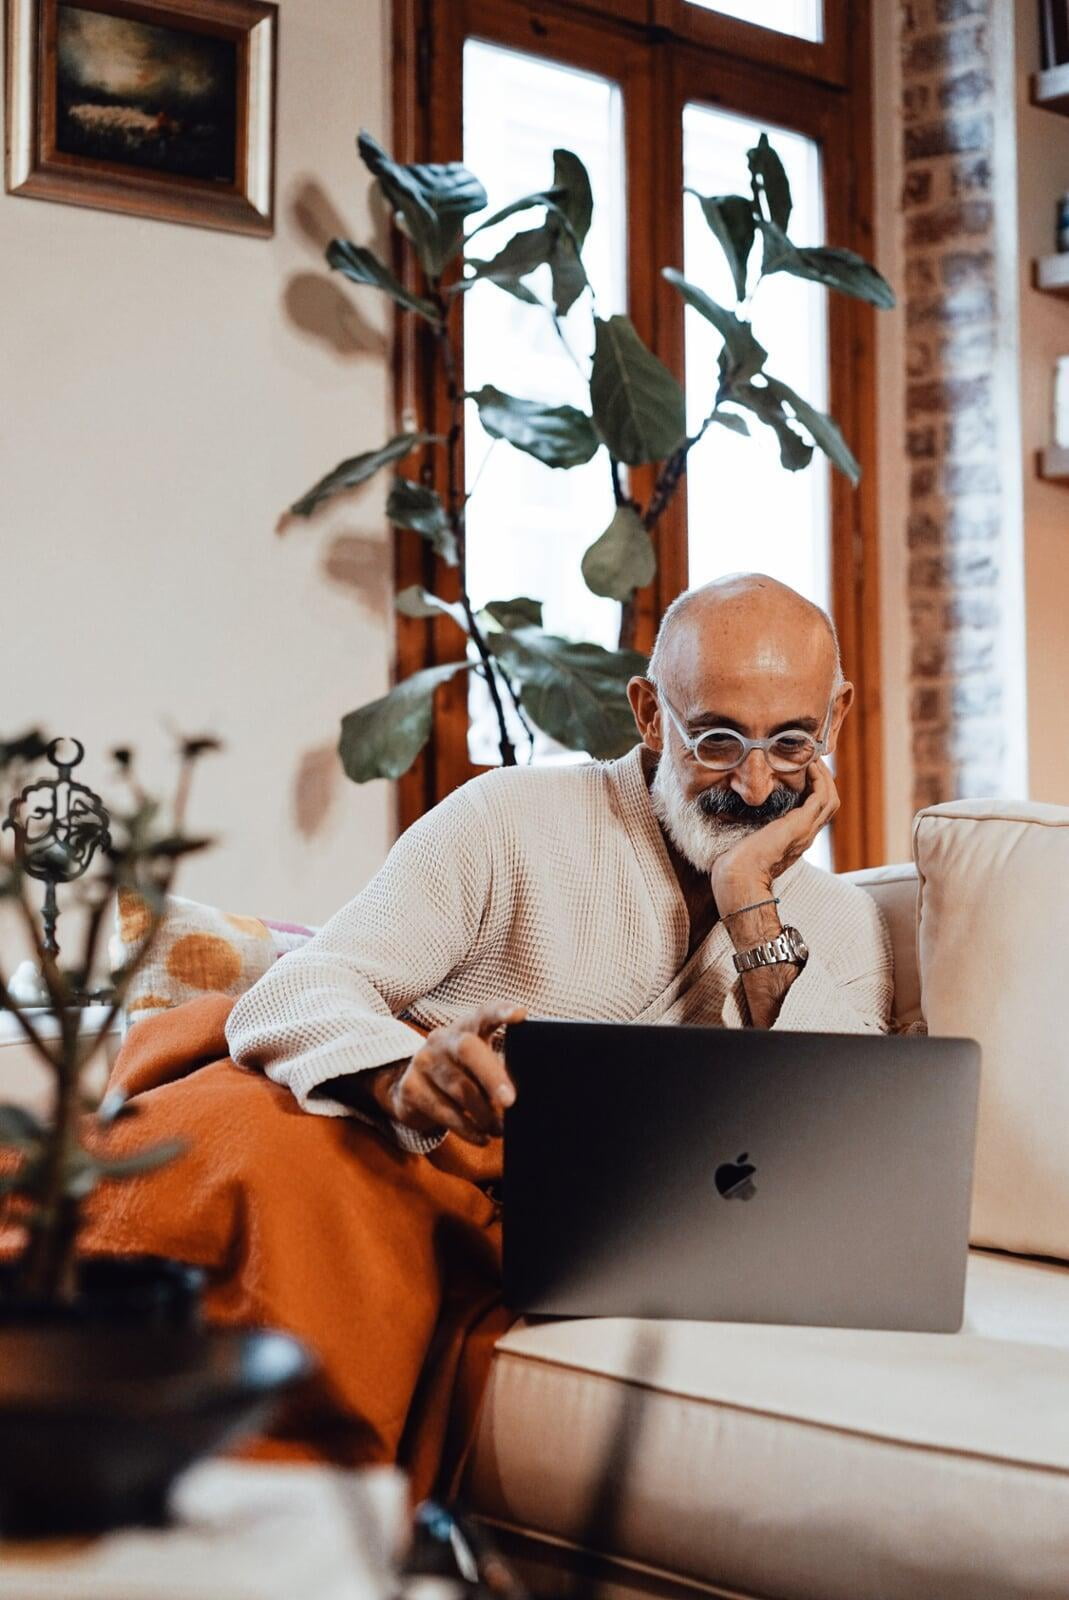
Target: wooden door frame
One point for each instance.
(428, 43)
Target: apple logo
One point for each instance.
(734, 1179)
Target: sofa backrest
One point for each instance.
(894, 890)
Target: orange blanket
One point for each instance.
(386, 1264)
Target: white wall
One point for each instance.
(165, 392)
(1043, 175)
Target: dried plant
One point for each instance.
(50, 1165)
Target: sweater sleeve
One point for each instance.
(332, 1007)
(855, 999)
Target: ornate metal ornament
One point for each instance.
(58, 826)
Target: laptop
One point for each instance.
(738, 1175)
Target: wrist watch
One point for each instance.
(787, 946)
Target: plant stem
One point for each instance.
(455, 510)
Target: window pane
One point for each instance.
(744, 510)
(804, 18)
(528, 524)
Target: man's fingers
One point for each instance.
(429, 1100)
(467, 1093)
(488, 1019)
(487, 1068)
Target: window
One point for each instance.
(654, 94)
(800, 17)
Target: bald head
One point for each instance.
(745, 624)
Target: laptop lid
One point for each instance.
(738, 1174)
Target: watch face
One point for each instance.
(797, 944)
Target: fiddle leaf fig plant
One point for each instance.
(50, 1163)
(572, 690)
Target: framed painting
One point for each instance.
(161, 108)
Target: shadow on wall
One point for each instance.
(319, 306)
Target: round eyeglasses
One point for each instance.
(724, 749)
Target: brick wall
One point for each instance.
(954, 530)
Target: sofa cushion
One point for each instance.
(994, 929)
(829, 1464)
(198, 949)
(894, 890)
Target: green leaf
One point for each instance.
(767, 177)
(622, 559)
(433, 199)
(545, 197)
(574, 692)
(638, 405)
(558, 436)
(357, 470)
(413, 505)
(837, 269)
(383, 738)
(794, 452)
(20, 1129)
(148, 1160)
(745, 356)
(524, 253)
(415, 601)
(728, 419)
(360, 266)
(731, 219)
(569, 223)
(521, 612)
(823, 429)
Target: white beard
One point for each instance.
(700, 839)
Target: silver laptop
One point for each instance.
(738, 1175)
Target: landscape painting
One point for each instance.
(156, 108)
(146, 95)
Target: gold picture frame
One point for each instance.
(158, 108)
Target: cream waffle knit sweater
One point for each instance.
(550, 887)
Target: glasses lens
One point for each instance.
(791, 751)
(720, 749)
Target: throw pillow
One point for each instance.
(199, 949)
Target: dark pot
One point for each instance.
(101, 1409)
(149, 1291)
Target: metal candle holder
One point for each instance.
(58, 826)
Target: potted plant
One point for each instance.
(109, 1385)
(573, 691)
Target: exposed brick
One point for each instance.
(967, 266)
(929, 748)
(961, 309)
(929, 705)
(917, 188)
(966, 89)
(916, 101)
(923, 532)
(967, 351)
(954, 10)
(921, 273)
(958, 47)
(949, 394)
(949, 222)
(921, 443)
(921, 482)
(949, 136)
(971, 176)
(931, 788)
(971, 611)
(928, 658)
(962, 524)
(970, 477)
(976, 433)
(919, 358)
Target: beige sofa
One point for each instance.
(825, 1464)
(822, 1464)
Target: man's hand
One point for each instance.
(745, 873)
(455, 1080)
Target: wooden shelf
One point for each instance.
(1051, 273)
(1051, 90)
(1054, 464)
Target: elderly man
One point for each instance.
(667, 886)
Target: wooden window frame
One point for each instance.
(664, 53)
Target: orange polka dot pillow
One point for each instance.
(198, 950)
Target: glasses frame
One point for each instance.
(764, 745)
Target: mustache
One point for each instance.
(728, 806)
